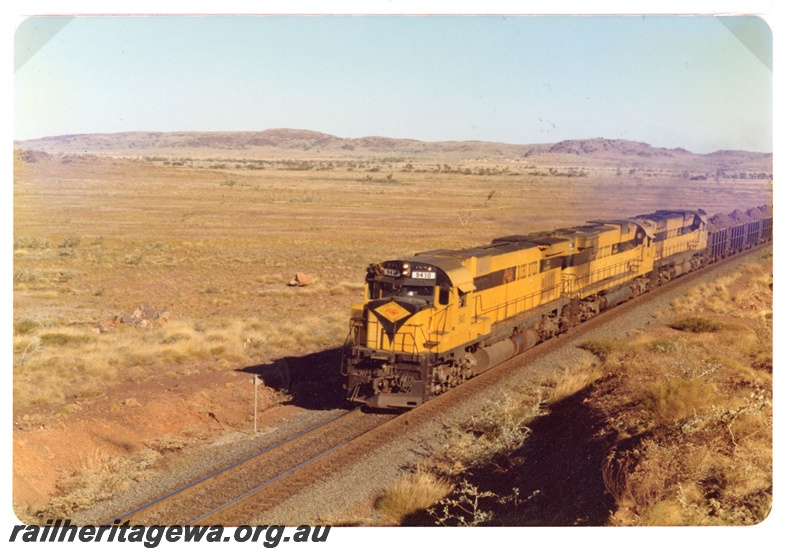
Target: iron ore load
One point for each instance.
(432, 321)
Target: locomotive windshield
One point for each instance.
(386, 289)
(410, 279)
(399, 289)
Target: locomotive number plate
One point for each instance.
(423, 275)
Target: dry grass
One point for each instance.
(753, 286)
(703, 454)
(100, 477)
(570, 382)
(54, 363)
(410, 494)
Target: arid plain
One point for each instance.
(205, 231)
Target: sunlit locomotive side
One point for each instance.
(680, 239)
(431, 321)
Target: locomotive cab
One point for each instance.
(397, 332)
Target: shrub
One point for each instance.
(63, 339)
(31, 243)
(464, 508)
(70, 242)
(600, 347)
(495, 432)
(662, 345)
(23, 276)
(24, 327)
(696, 325)
(168, 444)
(677, 399)
(133, 259)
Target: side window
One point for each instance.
(373, 290)
(462, 299)
(444, 296)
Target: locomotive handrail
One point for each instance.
(527, 302)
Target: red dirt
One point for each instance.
(126, 419)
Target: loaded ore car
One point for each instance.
(738, 231)
(432, 321)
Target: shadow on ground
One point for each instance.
(554, 479)
(314, 380)
(561, 466)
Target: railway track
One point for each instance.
(204, 498)
(235, 494)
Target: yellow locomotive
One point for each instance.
(429, 322)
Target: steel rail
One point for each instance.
(234, 465)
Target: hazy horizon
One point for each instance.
(126, 132)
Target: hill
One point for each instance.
(307, 144)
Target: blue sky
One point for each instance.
(669, 81)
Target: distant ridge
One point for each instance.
(622, 147)
(600, 146)
(291, 142)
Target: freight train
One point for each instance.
(432, 321)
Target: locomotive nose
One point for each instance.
(392, 314)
